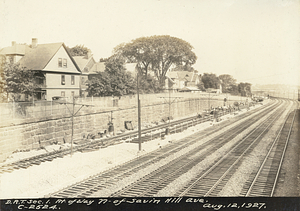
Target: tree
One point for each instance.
(244, 89)
(184, 68)
(227, 82)
(3, 95)
(115, 81)
(233, 89)
(19, 81)
(157, 54)
(103, 59)
(200, 86)
(121, 81)
(78, 50)
(210, 80)
(99, 85)
(149, 84)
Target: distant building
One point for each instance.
(89, 67)
(100, 67)
(182, 80)
(14, 53)
(217, 91)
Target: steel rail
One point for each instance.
(227, 155)
(268, 157)
(174, 173)
(99, 185)
(283, 154)
(36, 160)
(182, 144)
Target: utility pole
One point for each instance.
(73, 113)
(139, 111)
(208, 100)
(170, 103)
(169, 110)
(73, 105)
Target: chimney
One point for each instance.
(34, 42)
(13, 43)
(89, 54)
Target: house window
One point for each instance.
(59, 62)
(11, 59)
(83, 80)
(65, 63)
(115, 102)
(72, 80)
(63, 93)
(72, 93)
(63, 80)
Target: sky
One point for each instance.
(255, 41)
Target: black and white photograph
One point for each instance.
(149, 105)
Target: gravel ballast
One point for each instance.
(252, 161)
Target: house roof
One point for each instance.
(82, 61)
(16, 49)
(170, 80)
(182, 75)
(37, 58)
(98, 67)
(172, 74)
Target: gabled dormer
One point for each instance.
(62, 62)
(53, 57)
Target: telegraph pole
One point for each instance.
(170, 103)
(73, 113)
(139, 111)
(208, 100)
(72, 125)
(169, 110)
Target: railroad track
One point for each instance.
(100, 143)
(106, 179)
(211, 182)
(147, 134)
(263, 182)
(215, 178)
(156, 181)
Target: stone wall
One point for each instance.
(28, 136)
